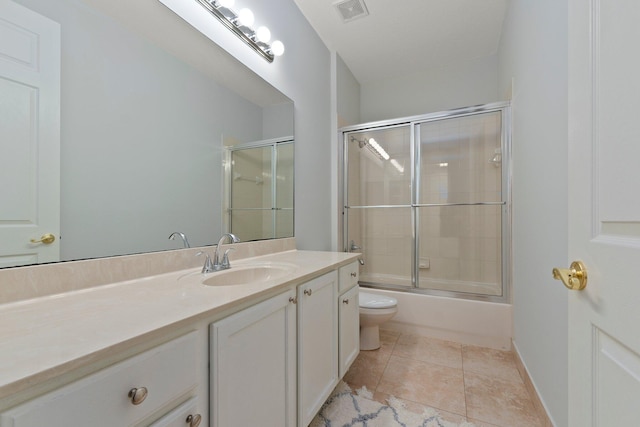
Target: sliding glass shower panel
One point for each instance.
(461, 160)
(251, 193)
(378, 203)
(381, 234)
(252, 224)
(284, 191)
(460, 249)
(379, 167)
(459, 204)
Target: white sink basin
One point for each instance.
(247, 275)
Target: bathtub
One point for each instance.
(485, 324)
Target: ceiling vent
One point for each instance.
(351, 9)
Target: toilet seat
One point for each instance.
(376, 302)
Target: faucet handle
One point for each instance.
(225, 258)
(208, 265)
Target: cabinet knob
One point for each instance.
(345, 301)
(353, 274)
(308, 292)
(194, 420)
(138, 395)
(293, 300)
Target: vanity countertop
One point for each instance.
(44, 338)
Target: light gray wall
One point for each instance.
(439, 89)
(533, 53)
(277, 121)
(303, 74)
(347, 95)
(140, 139)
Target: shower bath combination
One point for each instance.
(426, 201)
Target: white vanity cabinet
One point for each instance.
(348, 317)
(317, 344)
(137, 390)
(253, 365)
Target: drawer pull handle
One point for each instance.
(308, 292)
(138, 395)
(194, 420)
(353, 274)
(345, 301)
(293, 300)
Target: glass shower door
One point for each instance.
(460, 204)
(260, 183)
(378, 213)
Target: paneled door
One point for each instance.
(29, 136)
(604, 212)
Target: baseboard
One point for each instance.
(535, 398)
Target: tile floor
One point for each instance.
(463, 382)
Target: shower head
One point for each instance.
(361, 142)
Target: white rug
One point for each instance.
(345, 409)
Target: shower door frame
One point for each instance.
(504, 108)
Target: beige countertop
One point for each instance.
(44, 338)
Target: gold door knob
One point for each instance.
(574, 278)
(46, 239)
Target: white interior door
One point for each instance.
(29, 135)
(604, 211)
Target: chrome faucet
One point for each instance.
(182, 236)
(208, 265)
(224, 263)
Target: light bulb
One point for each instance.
(245, 17)
(263, 34)
(226, 3)
(277, 48)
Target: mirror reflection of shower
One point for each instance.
(259, 189)
(426, 202)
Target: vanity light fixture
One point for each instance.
(240, 24)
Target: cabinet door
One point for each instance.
(349, 329)
(317, 344)
(253, 366)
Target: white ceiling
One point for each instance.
(401, 37)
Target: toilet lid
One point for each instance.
(376, 301)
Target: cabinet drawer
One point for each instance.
(349, 275)
(102, 399)
(185, 415)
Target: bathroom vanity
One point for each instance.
(263, 346)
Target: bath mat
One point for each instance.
(346, 409)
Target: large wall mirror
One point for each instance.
(148, 109)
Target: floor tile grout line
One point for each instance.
(464, 382)
(386, 365)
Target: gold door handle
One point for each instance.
(574, 278)
(47, 239)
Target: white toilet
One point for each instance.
(374, 310)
